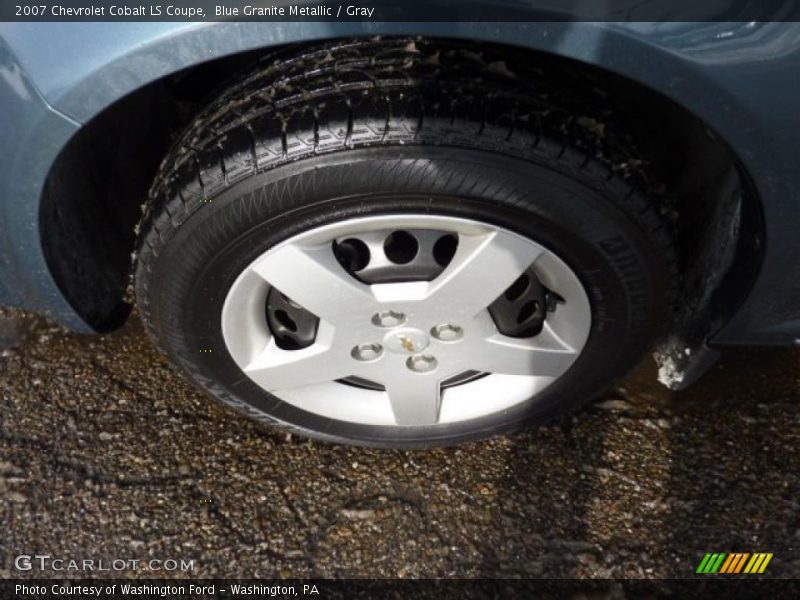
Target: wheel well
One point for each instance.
(95, 191)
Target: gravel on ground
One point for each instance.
(106, 452)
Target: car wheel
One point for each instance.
(359, 265)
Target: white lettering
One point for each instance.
(355, 11)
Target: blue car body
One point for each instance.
(741, 79)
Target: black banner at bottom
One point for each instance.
(441, 589)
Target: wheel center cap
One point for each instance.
(406, 340)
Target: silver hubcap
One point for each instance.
(408, 337)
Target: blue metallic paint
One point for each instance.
(31, 134)
(742, 79)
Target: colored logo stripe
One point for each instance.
(711, 562)
(758, 563)
(735, 562)
(721, 562)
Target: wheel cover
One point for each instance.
(410, 336)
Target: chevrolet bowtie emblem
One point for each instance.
(407, 343)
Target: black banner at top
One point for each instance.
(400, 10)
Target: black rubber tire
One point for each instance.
(370, 127)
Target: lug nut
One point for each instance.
(447, 332)
(422, 363)
(388, 318)
(367, 352)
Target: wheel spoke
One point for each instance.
(415, 398)
(277, 369)
(313, 278)
(483, 267)
(544, 355)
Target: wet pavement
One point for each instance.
(107, 453)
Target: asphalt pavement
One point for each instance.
(107, 453)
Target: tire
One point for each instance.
(366, 129)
